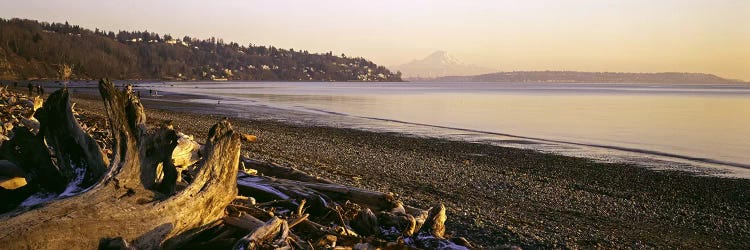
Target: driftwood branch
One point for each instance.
(75, 150)
(137, 200)
(126, 201)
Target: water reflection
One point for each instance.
(703, 122)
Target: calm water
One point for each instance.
(685, 123)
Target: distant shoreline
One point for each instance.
(447, 79)
(585, 77)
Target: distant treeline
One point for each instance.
(589, 77)
(38, 50)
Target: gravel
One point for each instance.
(499, 196)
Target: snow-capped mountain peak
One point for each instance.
(441, 58)
(439, 63)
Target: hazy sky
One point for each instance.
(710, 36)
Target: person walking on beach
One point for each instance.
(39, 89)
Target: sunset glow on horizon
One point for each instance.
(620, 36)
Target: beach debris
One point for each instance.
(123, 200)
(248, 137)
(11, 176)
(273, 233)
(173, 192)
(321, 214)
(12, 182)
(185, 154)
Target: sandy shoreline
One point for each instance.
(498, 195)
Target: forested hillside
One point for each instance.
(37, 50)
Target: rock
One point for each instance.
(365, 223)
(404, 223)
(12, 183)
(8, 126)
(435, 223)
(11, 176)
(249, 137)
(327, 241)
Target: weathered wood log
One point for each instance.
(117, 243)
(275, 232)
(11, 176)
(245, 221)
(249, 223)
(305, 227)
(365, 223)
(435, 222)
(120, 204)
(403, 223)
(29, 152)
(278, 171)
(187, 151)
(10, 169)
(420, 216)
(376, 201)
(31, 123)
(281, 193)
(79, 158)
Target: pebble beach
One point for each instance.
(496, 196)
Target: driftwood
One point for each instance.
(280, 189)
(75, 150)
(29, 152)
(11, 176)
(435, 222)
(126, 200)
(281, 172)
(274, 232)
(131, 196)
(186, 153)
(365, 223)
(245, 221)
(394, 225)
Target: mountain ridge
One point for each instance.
(437, 64)
(590, 77)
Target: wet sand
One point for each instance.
(497, 195)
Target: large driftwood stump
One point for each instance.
(126, 200)
(75, 150)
